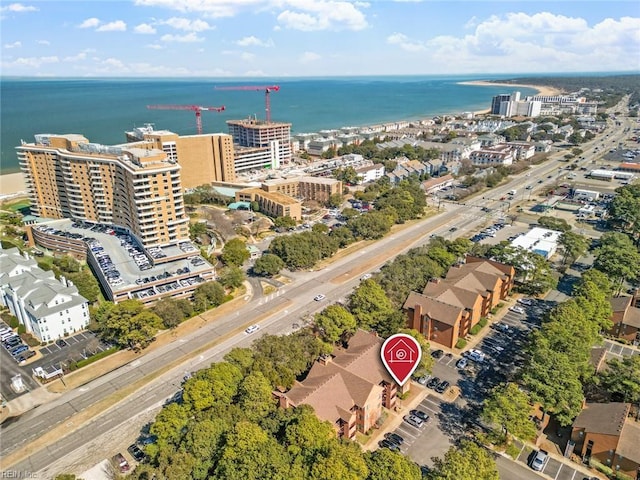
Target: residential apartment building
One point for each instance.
(370, 173)
(48, 308)
(626, 319)
(204, 158)
(259, 144)
(348, 388)
(448, 308)
(137, 189)
(501, 154)
(305, 188)
(436, 184)
(605, 432)
(274, 204)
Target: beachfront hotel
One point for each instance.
(204, 158)
(136, 189)
(259, 144)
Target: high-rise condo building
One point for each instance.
(204, 158)
(260, 144)
(137, 189)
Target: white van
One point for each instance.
(475, 355)
(6, 335)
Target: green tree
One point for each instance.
(86, 284)
(67, 264)
(573, 244)
(320, 228)
(127, 324)
(169, 423)
(618, 258)
(284, 222)
(231, 277)
(384, 464)
(235, 252)
(372, 226)
(593, 301)
(372, 308)
(241, 358)
(624, 209)
(622, 379)
(255, 397)
(509, 408)
(169, 311)
(598, 278)
(470, 461)
(346, 175)
(335, 200)
(216, 385)
(196, 230)
(334, 322)
(553, 223)
(208, 295)
(251, 454)
(268, 265)
(342, 236)
(553, 379)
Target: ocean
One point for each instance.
(103, 109)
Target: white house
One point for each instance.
(47, 307)
(539, 240)
(370, 173)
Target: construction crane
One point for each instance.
(196, 108)
(267, 92)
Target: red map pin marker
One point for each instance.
(401, 354)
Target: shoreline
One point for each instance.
(13, 184)
(543, 90)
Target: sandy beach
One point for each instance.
(12, 184)
(542, 90)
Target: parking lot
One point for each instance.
(553, 468)
(55, 355)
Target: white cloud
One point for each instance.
(252, 41)
(18, 8)
(117, 26)
(154, 46)
(34, 62)
(312, 15)
(550, 42)
(144, 28)
(254, 73)
(308, 57)
(90, 23)
(210, 8)
(403, 41)
(15, 44)
(187, 25)
(247, 56)
(76, 58)
(44, 42)
(188, 38)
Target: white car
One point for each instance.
(252, 329)
(366, 276)
(525, 301)
(517, 309)
(319, 297)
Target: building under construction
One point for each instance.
(259, 144)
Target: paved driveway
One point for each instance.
(554, 468)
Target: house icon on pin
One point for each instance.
(402, 352)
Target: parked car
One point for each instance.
(24, 356)
(366, 276)
(539, 460)
(525, 301)
(121, 463)
(433, 383)
(388, 444)
(437, 353)
(137, 453)
(462, 363)
(502, 327)
(413, 421)
(319, 297)
(394, 437)
(420, 414)
(61, 343)
(442, 386)
(517, 309)
(424, 379)
(475, 355)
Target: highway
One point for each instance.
(278, 312)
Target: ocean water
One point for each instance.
(103, 109)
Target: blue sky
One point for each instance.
(274, 38)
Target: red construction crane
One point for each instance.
(267, 91)
(196, 108)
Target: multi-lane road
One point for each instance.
(275, 314)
